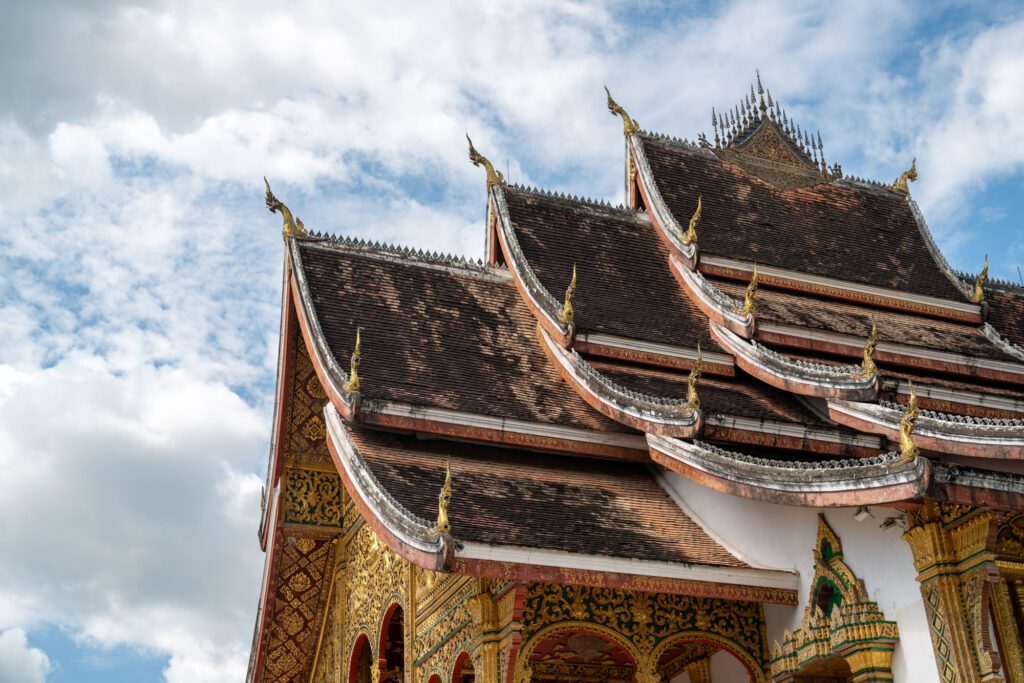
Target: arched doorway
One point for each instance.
(464, 671)
(689, 660)
(392, 646)
(361, 662)
(581, 656)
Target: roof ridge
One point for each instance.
(589, 201)
(662, 137)
(864, 183)
(997, 283)
(406, 253)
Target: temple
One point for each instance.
(749, 426)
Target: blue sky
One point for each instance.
(140, 272)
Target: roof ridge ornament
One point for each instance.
(494, 177)
(291, 227)
(901, 183)
(566, 315)
(443, 499)
(352, 385)
(690, 236)
(692, 399)
(979, 284)
(629, 126)
(908, 449)
(867, 366)
(748, 297)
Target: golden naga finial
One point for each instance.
(566, 315)
(908, 449)
(690, 236)
(692, 399)
(628, 124)
(867, 366)
(478, 159)
(900, 184)
(352, 385)
(979, 284)
(443, 498)
(292, 227)
(748, 298)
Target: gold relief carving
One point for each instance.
(305, 442)
(644, 624)
(692, 397)
(443, 525)
(979, 284)
(956, 569)
(301, 585)
(840, 620)
(1011, 640)
(291, 227)
(312, 497)
(315, 389)
(628, 125)
(908, 421)
(376, 579)
(314, 429)
(566, 315)
(1010, 538)
(494, 178)
(352, 385)
(901, 184)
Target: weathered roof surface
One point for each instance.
(813, 313)
(1006, 314)
(833, 230)
(741, 396)
(624, 286)
(508, 497)
(444, 337)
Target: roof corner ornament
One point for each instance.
(690, 236)
(566, 315)
(493, 177)
(867, 366)
(748, 298)
(900, 184)
(352, 385)
(292, 227)
(979, 284)
(692, 399)
(908, 449)
(629, 126)
(444, 526)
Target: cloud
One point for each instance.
(19, 662)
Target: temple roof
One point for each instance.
(832, 229)
(507, 497)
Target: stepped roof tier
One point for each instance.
(751, 320)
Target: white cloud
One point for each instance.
(20, 663)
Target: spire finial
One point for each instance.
(629, 126)
(692, 399)
(690, 236)
(901, 183)
(748, 298)
(760, 88)
(979, 284)
(908, 449)
(478, 159)
(567, 313)
(352, 385)
(443, 499)
(290, 227)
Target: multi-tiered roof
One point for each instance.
(752, 320)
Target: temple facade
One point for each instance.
(749, 426)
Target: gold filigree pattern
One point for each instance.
(305, 411)
(312, 497)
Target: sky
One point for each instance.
(140, 273)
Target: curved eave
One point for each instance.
(936, 253)
(782, 373)
(842, 483)
(512, 563)
(1001, 342)
(406, 534)
(665, 223)
(538, 299)
(713, 302)
(972, 438)
(647, 413)
(983, 488)
(328, 371)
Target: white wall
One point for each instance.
(783, 537)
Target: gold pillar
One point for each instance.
(700, 670)
(955, 570)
